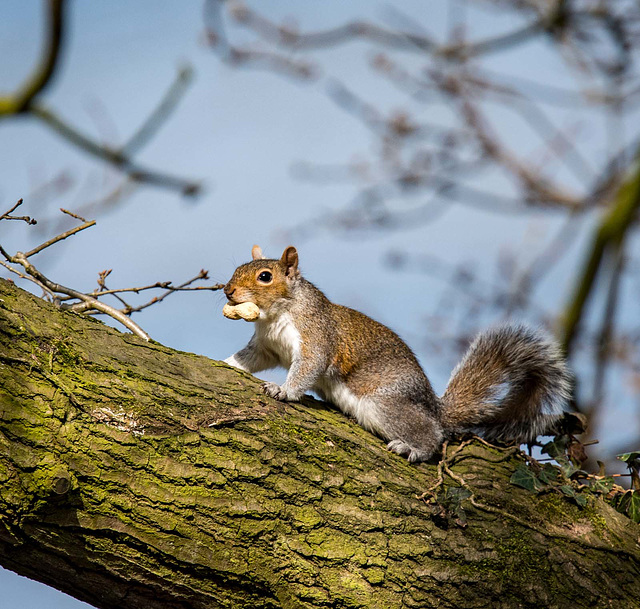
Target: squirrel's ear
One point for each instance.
(256, 252)
(290, 260)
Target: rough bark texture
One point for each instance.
(135, 476)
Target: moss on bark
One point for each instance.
(133, 475)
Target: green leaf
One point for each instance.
(629, 504)
(633, 511)
(581, 500)
(633, 463)
(549, 473)
(629, 457)
(569, 491)
(557, 447)
(568, 468)
(458, 493)
(604, 485)
(523, 476)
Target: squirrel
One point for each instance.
(511, 385)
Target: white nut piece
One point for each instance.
(245, 310)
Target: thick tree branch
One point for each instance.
(138, 476)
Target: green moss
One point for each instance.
(593, 513)
(556, 508)
(305, 517)
(408, 545)
(331, 544)
(374, 575)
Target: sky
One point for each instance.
(239, 132)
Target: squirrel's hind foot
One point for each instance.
(412, 453)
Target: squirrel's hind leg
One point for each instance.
(411, 431)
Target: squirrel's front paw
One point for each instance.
(275, 391)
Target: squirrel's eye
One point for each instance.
(265, 277)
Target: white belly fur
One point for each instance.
(282, 337)
(362, 409)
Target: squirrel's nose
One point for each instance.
(228, 291)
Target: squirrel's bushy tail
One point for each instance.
(511, 385)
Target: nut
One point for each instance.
(248, 311)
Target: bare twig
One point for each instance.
(60, 237)
(26, 101)
(182, 287)
(398, 39)
(88, 303)
(7, 215)
(95, 304)
(45, 289)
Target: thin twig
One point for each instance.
(170, 290)
(21, 258)
(29, 278)
(70, 213)
(7, 215)
(60, 237)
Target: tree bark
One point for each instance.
(136, 476)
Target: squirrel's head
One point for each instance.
(264, 281)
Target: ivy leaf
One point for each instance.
(604, 485)
(548, 474)
(557, 447)
(568, 468)
(632, 460)
(633, 511)
(523, 476)
(569, 491)
(576, 452)
(628, 458)
(581, 500)
(629, 504)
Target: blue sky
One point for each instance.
(239, 131)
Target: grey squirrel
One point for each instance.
(511, 385)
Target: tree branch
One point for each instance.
(612, 229)
(19, 102)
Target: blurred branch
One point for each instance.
(103, 203)
(20, 100)
(287, 37)
(116, 158)
(25, 101)
(611, 231)
(161, 113)
(606, 330)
